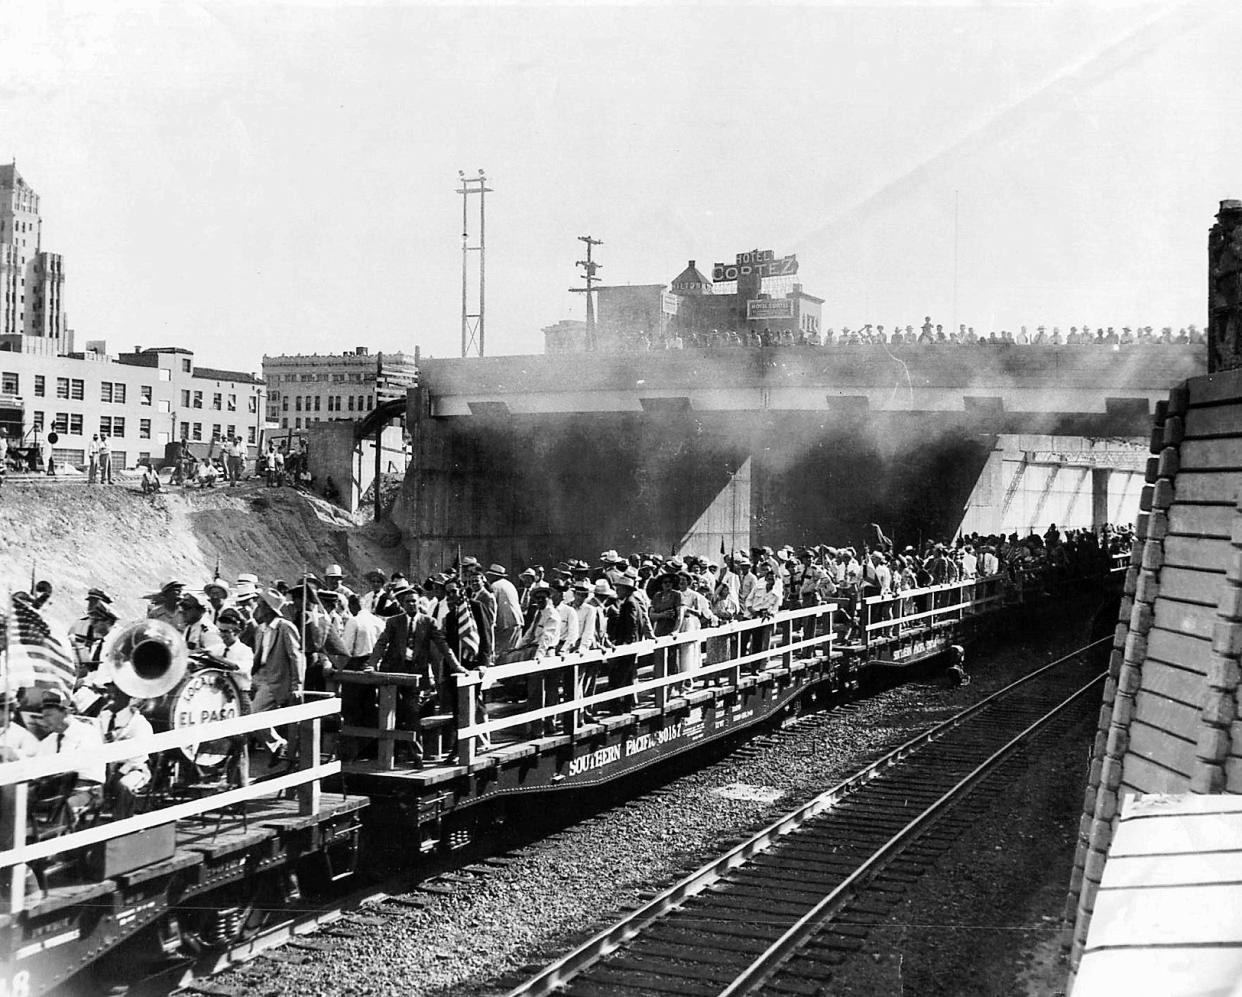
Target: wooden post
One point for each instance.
(787, 630)
(735, 650)
(465, 718)
(575, 692)
(309, 737)
(387, 723)
(659, 663)
(16, 811)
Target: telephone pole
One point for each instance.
(472, 321)
(589, 266)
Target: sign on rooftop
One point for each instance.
(760, 262)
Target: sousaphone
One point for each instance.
(148, 658)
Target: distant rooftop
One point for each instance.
(216, 374)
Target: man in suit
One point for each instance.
(413, 644)
(279, 663)
(508, 613)
(632, 625)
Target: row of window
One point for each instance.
(109, 425)
(357, 403)
(194, 431)
(194, 399)
(298, 421)
(356, 377)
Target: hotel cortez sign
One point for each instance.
(759, 262)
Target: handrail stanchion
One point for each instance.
(466, 698)
(787, 629)
(387, 725)
(17, 795)
(659, 670)
(734, 646)
(309, 744)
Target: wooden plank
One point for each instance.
(1206, 555)
(1173, 683)
(1207, 486)
(1215, 420)
(1171, 870)
(1185, 617)
(1223, 385)
(1171, 915)
(1191, 585)
(1214, 454)
(1177, 649)
(1202, 520)
(1162, 747)
(1138, 775)
(1179, 834)
(1167, 714)
(1166, 971)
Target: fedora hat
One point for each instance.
(602, 588)
(273, 599)
(497, 569)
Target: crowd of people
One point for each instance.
(927, 334)
(279, 638)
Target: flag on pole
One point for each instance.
(467, 631)
(35, 658)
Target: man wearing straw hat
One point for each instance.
(509, 616)
(279, 664)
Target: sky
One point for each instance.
(250, 177)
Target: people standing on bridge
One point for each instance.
(279, 664)
(196, 627)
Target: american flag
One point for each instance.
(35, 658)
(467, 632)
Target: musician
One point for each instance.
(199, 632)
(16, 742)
(217, 593)
(230, 625)
(409, 644)
(119, 720)
(68, 734)
(80, 634)
(90, 651)
(163, 604)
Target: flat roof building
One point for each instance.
(141, 401)
(307, 388)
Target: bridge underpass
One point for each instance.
(536, 459)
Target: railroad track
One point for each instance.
(781, 908)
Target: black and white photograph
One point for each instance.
(649, 499)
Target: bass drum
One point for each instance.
(202, 697)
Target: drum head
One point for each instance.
(203, 697)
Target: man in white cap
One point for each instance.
(509, 616)
(332, 582)
(217, 593)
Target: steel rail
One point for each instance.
(558, 973)
(770, 961)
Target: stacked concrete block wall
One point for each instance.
(1168, 722)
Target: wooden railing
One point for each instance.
(794, 632)
(16, 777)
(886, 616)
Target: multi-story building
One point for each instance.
(327, 387)
(142, 401)
(32, 315)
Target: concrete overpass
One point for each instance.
(538, 458)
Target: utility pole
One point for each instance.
(472, 321)
(589, 266)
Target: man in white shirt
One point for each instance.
(105, 461)
(377, 601)
(16, 742)
(68, 734)
(199, 632)
(119, 721)
(991, 565)
(92, 457)
(567, 634)
(229, 625)
(970, 563)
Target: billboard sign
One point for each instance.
(669, 303)
(760, 262)
(766, 309)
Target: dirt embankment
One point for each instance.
(77, 536)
